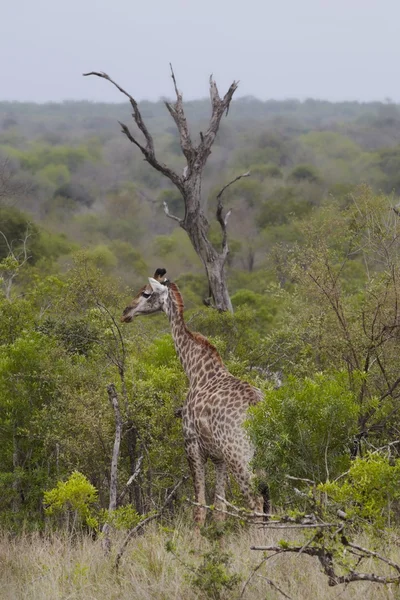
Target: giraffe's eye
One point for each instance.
(146, 295)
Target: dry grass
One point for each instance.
(58, 567)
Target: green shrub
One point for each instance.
(304, 429)
(370, 490)
(77, 496)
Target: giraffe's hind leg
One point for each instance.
(220, 482)
(255, 497)
(197, 462)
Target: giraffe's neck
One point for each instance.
(199, 359)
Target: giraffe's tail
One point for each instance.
(263, 490)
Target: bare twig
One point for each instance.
(273, 585)
(310, 481)
(254, 571)
(139, 528)
(131, 479)
(247, 174)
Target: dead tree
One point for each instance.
(195, 221)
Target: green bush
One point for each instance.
(304, 429)
(77, 496)
(370, 490)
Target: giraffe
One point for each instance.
(215, 407)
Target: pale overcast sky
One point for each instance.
(330, 49)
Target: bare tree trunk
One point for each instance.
(195, 222)
(134, 460)
(113, 397)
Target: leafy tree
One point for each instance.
(304, 173)
(75, 192)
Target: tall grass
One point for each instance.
(55, 567)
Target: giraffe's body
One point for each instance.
(216, 404)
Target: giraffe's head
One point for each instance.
(150, 299)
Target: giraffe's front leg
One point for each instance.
(220, 482)
(197, 463)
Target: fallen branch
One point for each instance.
(280, 522)
(325, 557)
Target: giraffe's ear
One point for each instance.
(159, 274)
(156, 286)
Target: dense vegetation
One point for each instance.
(314, 277)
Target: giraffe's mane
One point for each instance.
(197, 337)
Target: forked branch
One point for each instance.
(177, 113)
(218, 108)
(147, 150)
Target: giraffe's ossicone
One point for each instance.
(216, 404)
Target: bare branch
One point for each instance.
(148, 150)
(224, 221)
(113, 398)
(218, 108)
(247, 174)
(131, 479)
(177, 113)
(281, 522)
(166, 210)
(371, 553)
(195, 221)
(130, 137)
(310, 481)
(136, 113)
(326, 560)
